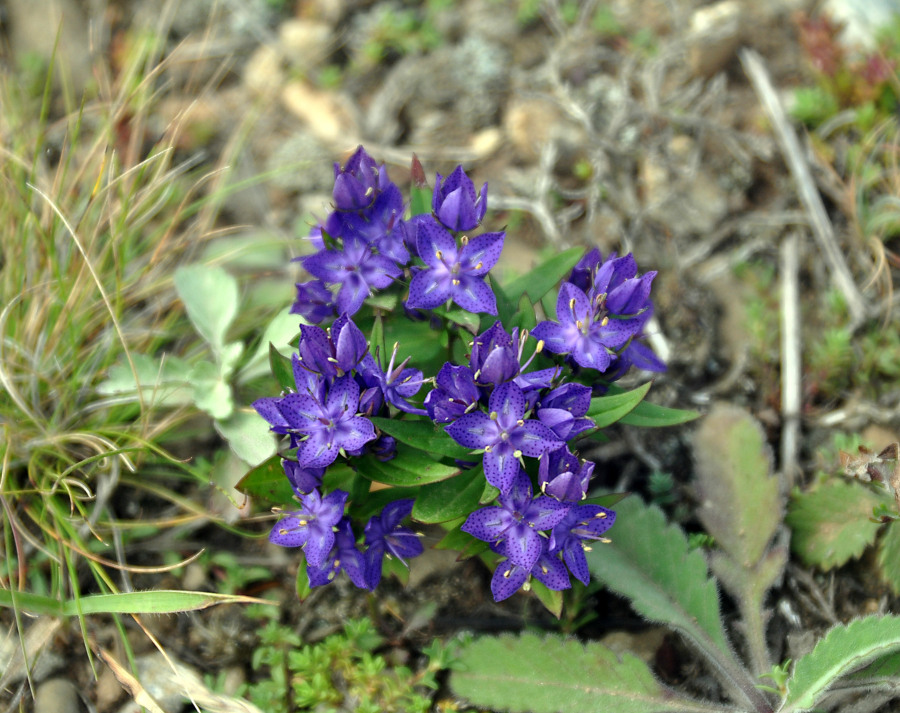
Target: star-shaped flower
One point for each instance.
(509, 577)
(311, 526)
(386, 536)
(451, 273)
(582, 524)
(505, 435)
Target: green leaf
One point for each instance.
(651, 564)
(889, 556)
(830, 525)
(606, 410)
(550, 598)
(420, 200)
(387, 302)
(248, 435)
(163, 382)
(423, 435)
(210, 297)
(157, 601)
(278, 335)
(843, 649)
(450, 499)
(267, 481)
(211, 393)
(647, 415)
(282, 369)
(548, 674)
(468, 321)
(409, 467)
(740, 505)
(545, 277)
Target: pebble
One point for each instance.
(715, 34)
(57, 695)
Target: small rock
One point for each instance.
(328, 117)
(529, 124)
(57, 695)
(715, 34)
(263, 73)
(304, 43)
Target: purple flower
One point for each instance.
(344, 555)
(584, 330)
(497, 357)
(329, 424)
(357, 268)
(386, 536)
(581, 524)
(311, 526)
(505, 435)
(314, 301)
(452, 273)
(358, 182)
(516, 520)
(302, 480)
(379, 226)
(563, 410)
(455, 204)
(509, 577)
(562, 476)
(454, 394)
(397, 384)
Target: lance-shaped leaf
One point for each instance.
(651, 564)
(554, 675)
(423, 435)
(606, 410)
(844, 649)
(647, 415)
(409, 467)
(741, 507)
(450, 499)
(830, 525)
(545, 277)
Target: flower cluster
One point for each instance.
(517, 407)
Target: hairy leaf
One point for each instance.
(554, 675)
(831, 524)
(843, 649)
(651, 564)
(889, 556)
(210, 297)
(248, 435)
(163, 382)
(740, 505)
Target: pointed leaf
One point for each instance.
(740, 505)
(651, 564)
(423, 435)
(282, 369)
(606, 410)
(647, 415)
(843, 649)
(409, 467)
(450, 499)
(830, 525)
(554, 675)
(267, 481)
(545, 277)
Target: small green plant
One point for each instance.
(342, 672)
(652, 564)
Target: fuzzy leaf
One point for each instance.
(651, 564)
(279, 332)
(554, 675)
(889, 556)
(739, 501)
(211, 393)
(163, 382)
(210, 296)
(606, 410)
(409, 467)
(843, 649)
(248, 435)
(831, 524)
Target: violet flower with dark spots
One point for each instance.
(563, 410)
(302, 480)
(343, 556)
(329, 425)
(311, 526)
(505, 435)
(454, 201)
(582, 524)
(509, 577)
(357, 184)
(356, 267)
(386, 536)
(516, 520)
(397, 383)
(454, 394)
(314, 302)
(562, 476)
(454, 274)
(497, 357)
